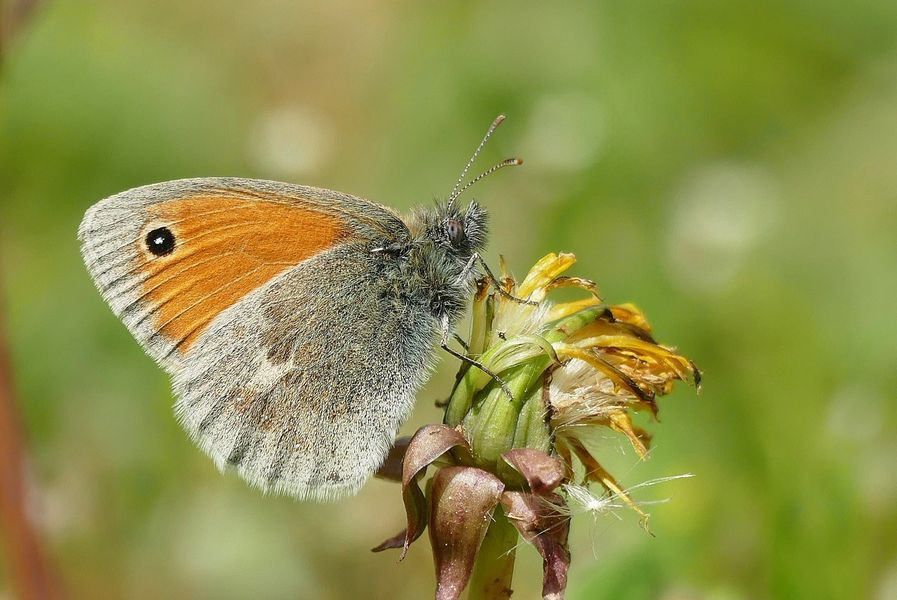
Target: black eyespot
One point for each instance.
(160, 241)
(454, 229)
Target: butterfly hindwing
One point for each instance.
(311, 398)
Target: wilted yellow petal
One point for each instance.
(576, 282)
(629, 313)
(620, 421)
(606, 326)
(543, 273)
(559, 311)
(661, 357)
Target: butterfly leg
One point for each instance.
(495, 282)
(446, 333)
(461, 341)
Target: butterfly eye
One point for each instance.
(455, 231)
(160, 241)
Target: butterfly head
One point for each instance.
(449, 234)
(461, 231)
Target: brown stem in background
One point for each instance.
(32, 577)
(31, 574)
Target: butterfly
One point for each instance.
(297, 323)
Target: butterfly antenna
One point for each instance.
(508, 162)
(456, 190)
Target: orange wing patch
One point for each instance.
(224, 249)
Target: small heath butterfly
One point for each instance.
(297, 324)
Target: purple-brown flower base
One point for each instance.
(462, 502)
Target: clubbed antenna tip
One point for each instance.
(459, 187)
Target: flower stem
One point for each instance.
(494, 568)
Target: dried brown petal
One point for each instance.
(462, 501)
(541, 522)
(429, 443)
(396, 541)
(542, 472)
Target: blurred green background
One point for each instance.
(729, 166)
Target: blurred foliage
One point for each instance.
(729, 166)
